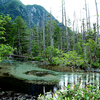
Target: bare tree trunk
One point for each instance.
(61, 41)
(89, 21)
(95, 39)
(84, 30)
(73, 36)
(41, 34)
(43, 30)
(74, 33)
(57, 39)
(84, 41)
(67, 39)
(77, 37)
(47, 38)
(81, 25)
(97, 20)
(63, 49)
(30, 36)
(51, 31)
(19, 45)
(38, 32)
(86, 15)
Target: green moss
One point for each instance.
(28, 71)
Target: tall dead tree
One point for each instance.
(89, 21)
(97, 19)
(74, 32)
(77, 36)
(19, 44)
(30, 35)
(67, 39)
(84, 41)
(57, 38)
(38, 32)
(84, 30)
(43, 30)
(86, 15)
(51, 30)
(95, 39)
(63, 49)
(81, 24)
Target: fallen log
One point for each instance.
(19, 56)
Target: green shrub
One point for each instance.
(88, 93)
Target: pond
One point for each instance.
(29, 78)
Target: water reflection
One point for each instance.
(35, 89)
(82, 78)
(16, 85)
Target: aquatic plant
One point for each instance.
(31, 72)
(88, 93)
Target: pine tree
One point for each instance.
(19, 35)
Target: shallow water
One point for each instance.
(33, 84)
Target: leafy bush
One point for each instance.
(68, 59)
(95, 65)
(50, 53)
(5, 50)
(88, 93)
(57, 57)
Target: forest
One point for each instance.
(51, 43)
(58, 47)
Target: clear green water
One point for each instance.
(61, 79)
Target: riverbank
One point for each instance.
(61, 68)
(67, 68)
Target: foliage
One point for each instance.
(69, 59)
(35, 49)
(5, 49)
(65, 59)
(16, 34)
(88, 93)
(19, 35)
(49, 53)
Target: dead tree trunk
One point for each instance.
(95, 39)
(19, 45)
(77, 37)
(38, 32)
(86, 14)
(30, 36)
(74, 32)
(63, 49)
(43, 30)
(67, 39)
(97, 20)
(51, 30)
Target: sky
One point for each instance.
(71, 6)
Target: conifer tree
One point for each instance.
(19, 35)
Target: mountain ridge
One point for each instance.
(17, 8)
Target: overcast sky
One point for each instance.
(71, 6)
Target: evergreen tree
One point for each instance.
(20, 36)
